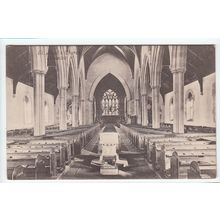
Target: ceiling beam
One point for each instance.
(196, 55)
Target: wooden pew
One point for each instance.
(183, 148)
(196, 135)
(196, 171)
(79, 140)
(150, 145)
(178, 159)
(180, 146)
(65, 145)
(74, 143)
(32, 165)
(59, 150)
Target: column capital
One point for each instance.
(75, 96)
(38, 57)
(62, 88)
(39, 72)
(179, 70)
(155, 86)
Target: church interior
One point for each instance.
(111, 112)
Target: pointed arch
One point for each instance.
(145, 75)
(156, 67)
(189, 105)
(100, 77)
(61, 59)
(71, 74)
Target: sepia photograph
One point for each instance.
(82, 112)
(109, 110)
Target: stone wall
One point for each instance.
(204, 104)
(16, 106)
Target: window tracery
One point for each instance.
(110, 103)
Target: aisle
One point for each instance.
(138, 168)
(126, 144)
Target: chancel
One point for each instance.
(111, 111)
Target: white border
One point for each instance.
(4, 42)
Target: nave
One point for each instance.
(138, 167)
(151, 154)
(160, 99)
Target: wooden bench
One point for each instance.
(198, 171)
(180, 146)
(59, 150)
(20, 153)
(79, 140)
(151, 141)
(173, 162)
(32, 163)
(64, 144)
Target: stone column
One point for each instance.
(155, 107)
(138, 110)
(83, 118)
(63, 99)
(130, 110)
(94, 113)
(178, 89)
(144, 110)
(125, 109)
(90, 114)
(39, 88)
(75, 111)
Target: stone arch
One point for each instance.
(157, 64)
(188, 92)
(189, 105)
(105, 64)
(61, 59)
(71, 75)
(80, 85)
(100, 77)
(146, 75)
(155, 81)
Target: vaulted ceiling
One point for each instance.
(123, 52)
(200, 63)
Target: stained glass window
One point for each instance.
(110, 103)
